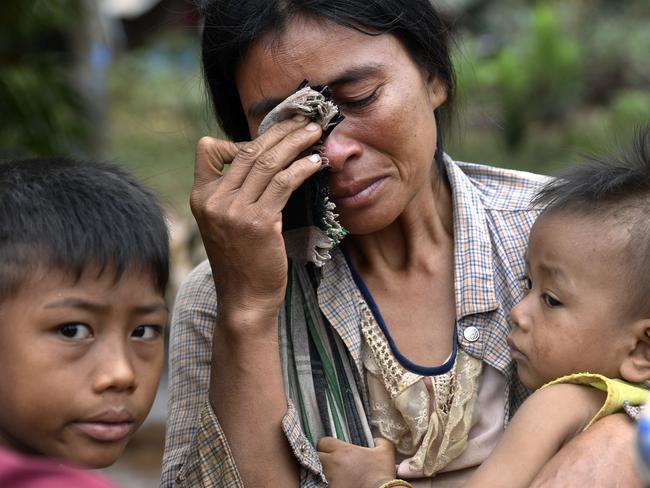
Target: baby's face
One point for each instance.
(79, 364)
(573, 316)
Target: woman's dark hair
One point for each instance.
(232, 26)
(70, 215)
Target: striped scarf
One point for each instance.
(319, 375)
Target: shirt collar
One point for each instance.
(473, 267)
(339, 299)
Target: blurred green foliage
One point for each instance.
(42, 111)
(157, 112)
(543, 82)
(539, 82)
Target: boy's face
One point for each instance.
(79, 363)
(573, 317)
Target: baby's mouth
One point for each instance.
(515, 352)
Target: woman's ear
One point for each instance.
(636, 366)
(437, 91)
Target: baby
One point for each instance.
(584, 323)
(83, 271)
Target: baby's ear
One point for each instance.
(636, 366)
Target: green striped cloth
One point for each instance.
(330, 397)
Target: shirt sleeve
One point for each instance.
(617, 391)
(196, 450)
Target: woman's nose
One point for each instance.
(339, 148)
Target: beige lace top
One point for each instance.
(428, 418)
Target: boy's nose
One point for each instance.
(339, 148)
(116, 372)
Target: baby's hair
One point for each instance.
(614, 190)
(71, 215)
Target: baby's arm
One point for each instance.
(543, 424)
(350, 466)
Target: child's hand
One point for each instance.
(350, 466)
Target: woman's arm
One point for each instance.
(543, 424)
(600, 457)
(196, 449)
(239, 214)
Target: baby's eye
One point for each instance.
(551, 301)
(75, 332)
(147, 331)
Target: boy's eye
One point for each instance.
(147, 331)
(551, 301)
(74, 331)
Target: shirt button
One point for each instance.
(471, 334)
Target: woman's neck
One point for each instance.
(421, 232)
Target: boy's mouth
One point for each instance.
(109, 426)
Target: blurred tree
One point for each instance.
(538, 78)
(42, 109)
(547, 66)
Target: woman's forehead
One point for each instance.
(320, 51)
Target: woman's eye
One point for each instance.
(361, 103)
(147, 331)
(550, 301)
(75, 331)
(526, 283)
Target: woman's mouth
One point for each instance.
(357, 195)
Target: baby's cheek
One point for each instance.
(542, 352)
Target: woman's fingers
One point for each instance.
(384, 445)
(271, 162)
(211, 156)
(257, 167)
(329, 444)
(284, 183)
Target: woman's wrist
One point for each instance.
(248, 320)
(396, 483)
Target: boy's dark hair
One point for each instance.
(70, 215)
(613, 190)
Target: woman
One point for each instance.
(402, 333)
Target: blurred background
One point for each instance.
(540, 85)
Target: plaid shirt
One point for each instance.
(492, 219)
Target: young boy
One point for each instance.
(83, 271)
(583, 324)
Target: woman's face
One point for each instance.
(382, 153)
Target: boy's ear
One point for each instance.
(636, 366)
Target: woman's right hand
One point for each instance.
(239, 212)
(349, 466)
